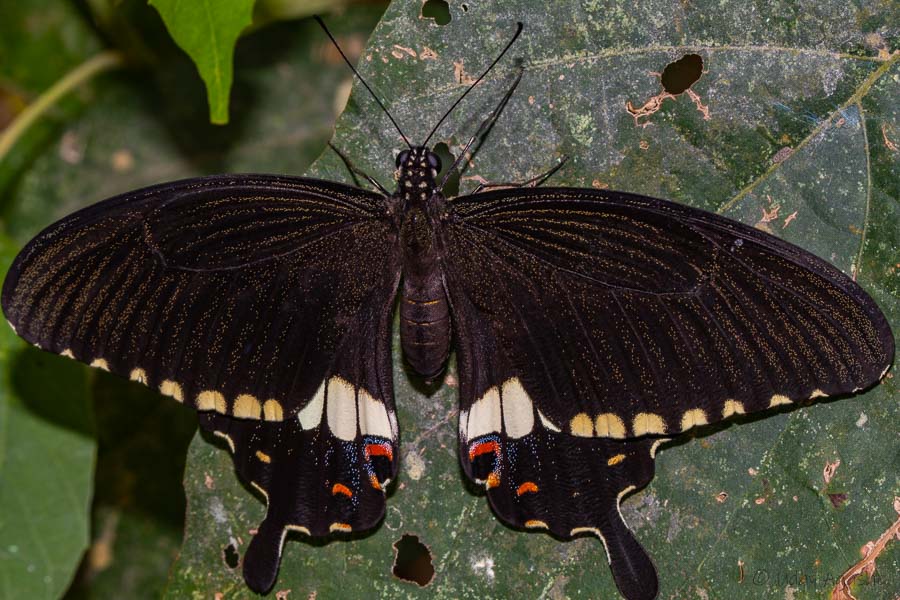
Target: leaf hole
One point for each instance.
(438, 10)
(452, 188)
(680, 75)
(412, 561)
(230, 556)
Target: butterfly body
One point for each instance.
(424, 309)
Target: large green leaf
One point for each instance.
(802, 102)
(208, 30)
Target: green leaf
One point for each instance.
(208, 31)
(46, 465)
(809, 77)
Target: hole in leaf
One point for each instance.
(413, 561)
(678, 76)
(230, 556)
(438, 10)
(838, 500)
(452, 188)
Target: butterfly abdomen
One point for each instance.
(425, 328)
(424, 310)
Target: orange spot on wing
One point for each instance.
(526, 488)
(493, 481)
(374, 481)
(340, 488)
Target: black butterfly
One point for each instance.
(589, 326)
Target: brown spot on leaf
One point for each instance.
(789, 218)
(782, 155)
(829, 470)
(459, 73)
(870, 551)
(889, 144)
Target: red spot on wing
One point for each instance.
(484, 448)
(379, 450)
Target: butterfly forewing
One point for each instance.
(625, 315)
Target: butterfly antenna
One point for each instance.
(363, 81)
(471, 87)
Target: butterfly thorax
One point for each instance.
(424, 311)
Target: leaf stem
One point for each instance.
(104, 61)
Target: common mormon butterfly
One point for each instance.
(589, 326)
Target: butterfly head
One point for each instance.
(417, 169)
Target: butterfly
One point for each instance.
(589, 326)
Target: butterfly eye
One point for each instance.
(402, 157)
(434, 161)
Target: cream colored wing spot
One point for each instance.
(227, 438)
(263, 457)
(297, 528)
(535, 524)
(656, 446)
(138, 375)
(779, 400)
(395, 429)
(272, 411)
(518, 410)
(693, 418)
(609, 425)
(100, 363)
(485, 415)
(67, 353)
(732, 407)
(373, 416)
(171, 388)
(582, 425)
(311, 415)
(259, 489)
(463, 424)
(211, 400)
(340, 408)
(246, 407)
(342, 527)
(622, 494)
(11, 326)
(818, 394)
(592, 531)
(645, 423)
(547, 423)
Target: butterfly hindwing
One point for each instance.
(626, 315)
(538, 477)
